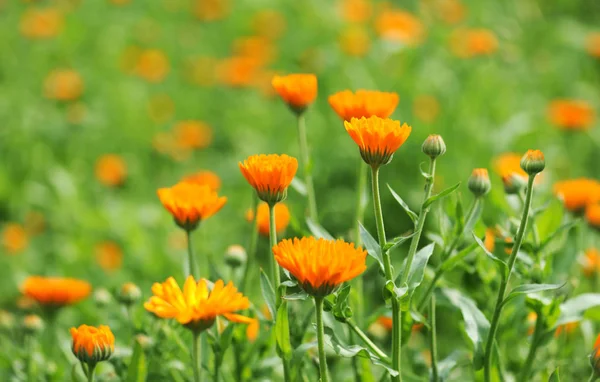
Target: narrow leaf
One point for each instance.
(417, 267)
(453, 260)
(317, 230)
(137, 370)
(565, 227)
(299, 186)
(448, 364)
(296, 296)
(268, 293)
(530, 288)
(442, 194)
(373, 248)
(282, 331)
(555, 376)
(573, 310)
(489, 254)
(413, 216)
(398, 241)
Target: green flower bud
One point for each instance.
(235, 256)
(130, 294)
(102, 297)
(434, 146)
(145, 341)
(479, 182)
(513, 184)
(533, 162)
(7, 320)
(33, 324)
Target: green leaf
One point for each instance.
(268, 293)
(137, 370)
(563, 228)
(225, 338)
(350, 351)
(489, 254)
(476, 325)
(282, 331)
(459, 216)
(296, 296)
(413, 216)
(555, 376)
(392, 291)
(341, 310)
(417, 267)
(77, 373)
(299, 186)
(441, 195)
(397, 241)
(448, 364)
(373, 248)
(530, 288)
(317, 230)
(573, 310)
(453, 260)
(406, 325)
(477, 210)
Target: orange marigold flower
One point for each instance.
(211, 10)
(400, 26)
(258, 48)
(270, 175)
(593, 44)
(468, 43)
(207, 178)
(190, 203)
(363, 103)
(592, 214)
(282, 218)
(355, 41)
(14, 238)
(385, 321)
(109, 255)
(269, 24)
(297, 90)
(196, 307)
(152, 65)
(576, 194)
(41, 23)
(55, 291)
(63, 85)
(192, 135)
(509, 164)
(590, 264)
(377, 138)
(426, 108)
(356, 11)
(571, 114)
(111, 170)
(238, 71)
(92, 344)
(320, 265)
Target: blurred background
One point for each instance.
(103, 102)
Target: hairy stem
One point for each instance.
(321, 339)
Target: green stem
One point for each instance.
(433, 340)
(217, 369)
(438, 275)
(196, 357)
(305, 166)
(387, 266)
(487, 362)
(593, 377)
(354, 360)
(320, 339)
(539, 326)
(90, 372)
(273, 242)
(374, 348)
(251, 246)
(191, 260)
(358, 219)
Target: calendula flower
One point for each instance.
(571, 114)
(92, 344)
(109, 255)
(55, 291)
(576, 194)
(14, 238)
(592, 215)
(235, 256)
(400, 26)
(238, 71)
(320, 265)
(297, 90)
(270, 175)
(590, 264)
(282, 218)
(63, 85)
(130, 293)
(363, 103)
(377, 138)
(190, 203)
(593, 44)
(190, 135)
(201, 70)
(479, 182)
(509, 164)
(258, 48)
(41, 23)
(152, 65)
(469, 43)
(531, 319)
(207, 178)
(355, 41)
(196, 307)
(32, 323)
(111, 170)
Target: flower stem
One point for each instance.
(358, 219)
(273, 242)
(387, 267)
(320, 339)
(191, 260)
(90, 372)
(251, 246)
(593, 377)
(433, 340)
(196, 356)
(539, 326)
(487, 361)
(374, 348)
(305, 166)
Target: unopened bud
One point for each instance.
(145, 341)
(533, 162)
(130, 294)
(434, 146)
(235, 256)
(32, 323)
(513, 183)
(479, 182)
(102, 297)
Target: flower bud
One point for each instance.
(7, 320)
(32, 323)
(102, 297)
(479, 182)
(533, 162)
(130, 294)
(92, 345)
(513, 183)
(595, 357)
(145, 341)
(235, 256)
(434, 146)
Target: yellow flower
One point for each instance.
(400, 26)
(207, 178)
(92, 344)
(468, 43)
(190, 203)
(593, 44)
(592, 215)
(191, 135)
(576, 194)
(41, 23)
(270, 175)
(152, 65)
(591, 262)
(297, 90)
(509, 164)
(377, 138)
(571, 114)
(196, 307)
(63, 85)
(363, 103)
(282, 218)
(355, 41)
(320, 265)
(54, 291)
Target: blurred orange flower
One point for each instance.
(191, 135)
(399, 26)
(205, 177)
(571, 114)
(111, 170)
(259, 49)
(426, 108)
(355, 41)
(468, 43)
(211, 10)
(297, 90)
(268, 24)
(282, 217)
(54, 291)
(363, 103)
(531, 319)
(490, 239)
(41, 23)
(14, 238)
(567, 328)
(509, 164)
(91, 344)
(63, 85)
(377, 138)
(592, 214)
(320, 265)
(109, 255)
(252, 330)
(356, 11)
(190, 203)
(270, 175)
(576, 194)
(238, 71)
(591, 262)
(593, 44)
(152, 65)
(451, 11)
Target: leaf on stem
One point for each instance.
(413, 216)
(268, 293)
(573, 310)
(489, 254)
(137, 370)
(282, 331)
(299, 186)
(453, 260)
(448, 364)
(563, 228)
(441, 195)
(530, 288)
(417, 268)
(555, 376)
(373, 248)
